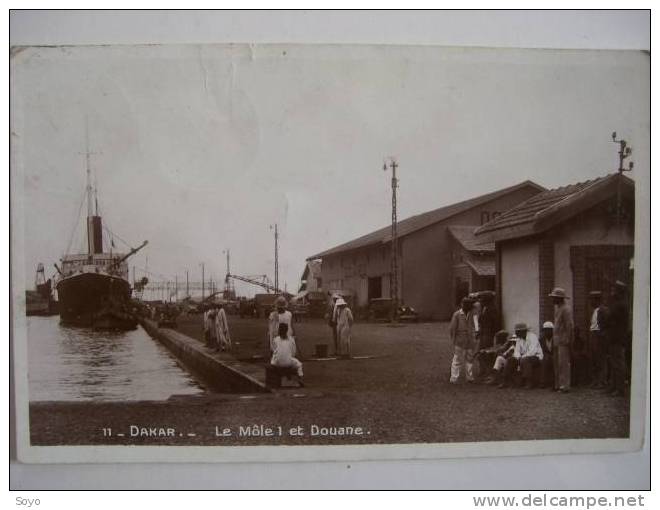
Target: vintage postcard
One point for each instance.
(308, 252)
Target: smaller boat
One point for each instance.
(40, 301)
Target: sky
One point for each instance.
(202, 148)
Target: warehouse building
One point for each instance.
(361, 268)
(579, 237)
(473, 263)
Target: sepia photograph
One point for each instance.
(441, 250)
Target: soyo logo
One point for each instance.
(28, 502)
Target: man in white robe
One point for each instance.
(279, 316)
(222, 330)
(344, 326)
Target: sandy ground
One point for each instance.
(399, 394)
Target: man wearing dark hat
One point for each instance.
(562, 340)
(461, 333)
(597, 344)
(617, 338)
(488, 320)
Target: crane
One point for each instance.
(264, 283)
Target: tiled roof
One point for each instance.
(414, 223)
(465, 236)
(485, 267)
(523, 217)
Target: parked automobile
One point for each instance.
(407, 314)
(380, 309)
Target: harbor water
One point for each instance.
(68, 363)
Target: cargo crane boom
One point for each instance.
(263, 284)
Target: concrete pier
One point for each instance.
(218, 371)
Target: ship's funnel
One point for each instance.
(94, 235)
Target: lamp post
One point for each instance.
(624, 152)
(394, 259)
(277, 271)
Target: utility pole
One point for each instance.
(624, 152)
(228, 282)
(277, 271)
(394, 285)
(187, 285)
(202, 281)
(176, 288)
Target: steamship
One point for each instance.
(93, 289)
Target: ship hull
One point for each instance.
(95, 300)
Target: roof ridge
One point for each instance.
(383, 234)
(544, 195)
(546, 205)
(590, 183)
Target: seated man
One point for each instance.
(547, 373)
(284, 352)
(526, 358)
(503, 351)
(485, 358)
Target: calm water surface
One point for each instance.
(67, 363)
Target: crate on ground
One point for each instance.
(275, 374)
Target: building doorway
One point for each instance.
(461, 290)
(375, 288)
(597, 268)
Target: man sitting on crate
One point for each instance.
(284, 352)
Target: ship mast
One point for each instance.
(90, 211)
(94, 227)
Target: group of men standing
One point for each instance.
(609, 339)
(472, 329)
(522, 357)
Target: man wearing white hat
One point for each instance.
(279, 316)
(547, 376)
(526, 357)
(344, 326)
(332, 319)
(562, 340)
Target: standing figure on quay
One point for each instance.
(344, 326)
(462, 335)
(562, 337)
(279, 316)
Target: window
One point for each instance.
(485, 217)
